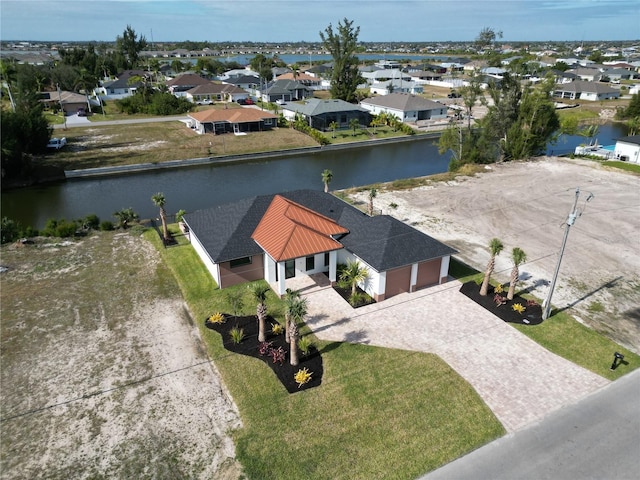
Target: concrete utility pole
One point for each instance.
(573, 216)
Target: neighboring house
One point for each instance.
(319, 113)
(238, 72)
(399, 86)
(591, 91)
(70, 102)
(320, 71)
(425, 75)
(215, 92)
(303, 232)
(628, 149)
(493, 72)
(248, 83)
(308, 81)
(116, 89)
(232, 120)
(619, 74)
(406, 107)
(180, 85)
(286, 91)
(379, 76)
(587, 74)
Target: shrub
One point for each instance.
(277, 355)
(264, 348)
(277, 328)
(532, 303)
(499, 288)
(106, 225)
(358, 298)
(91, 221)
(237, 335)
(217, 318)
(9, 230)
(302, 376)
(499, 299)
(518, 307)
(393, 205)
(125, 217)
(60, 228)
(305, 344)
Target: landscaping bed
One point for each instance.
(532, 315)
(250, 346)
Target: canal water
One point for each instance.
(205, 186)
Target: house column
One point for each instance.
(282, 289)
(414, 277)
(333, 264)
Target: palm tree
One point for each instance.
(353, 274)
(495, 247)
(327, 176)
(290, 298)
(518, 257)
(373, 193)
(159, 201)
(354, 124)
(259, 291)
(333, 126)
(297, 313)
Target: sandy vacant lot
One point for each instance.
(103, 375)
(526, 205)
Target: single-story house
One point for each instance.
(628, 149)
(286, 90)
(70, 102)
(245, 82)
(232, 120)
(320, 113)
(216, 92)
(619, 74)
(379, 76)
(390, 86)
(303, 232)
(305, 79)
(425, 75)
(117, 89)
(406, 107)
(587, 74)
(592, 91)
(178, 86)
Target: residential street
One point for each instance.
(595, 439)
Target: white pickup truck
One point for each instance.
(57, 143)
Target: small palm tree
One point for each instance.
(354, 124)
(290, 299)
(517, 257)
(495, 247)
(159, 201)
(327, 176)
(333, 126)
(373, 193)
(297, 313)
(353, 274)
(259, 291)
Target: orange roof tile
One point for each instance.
(288, 230)
(231, 115)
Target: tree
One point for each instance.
(503, 113)
(333, 126)
(125, 217)
(342, 45)
(129, 46)
(235, 301)
(486, 38)
(353, 274)
(354, 124)
(159, 201)
(327, 176)
(177, 66)
(373, 193)
(471, 94)
(290, 299)
(297, 312)
(259, 291)
(495, 247)
(517, 257)
(85, 83)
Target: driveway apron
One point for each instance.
(519, 380)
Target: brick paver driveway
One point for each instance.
(518, 379)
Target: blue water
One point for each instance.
(611, 148)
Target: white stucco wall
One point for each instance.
(629, 150)
(208, 263)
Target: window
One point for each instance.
(326, 259)
(267, 121)
(238, 262)
(311, 263)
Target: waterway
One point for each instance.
(204, 186)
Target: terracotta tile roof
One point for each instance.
(289, 230)
(232, 115)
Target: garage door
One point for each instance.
(398, 281)
(428, 273)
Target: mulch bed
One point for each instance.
(531, 316)
(345, 293)
(249, 346)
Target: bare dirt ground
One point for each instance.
(526, 205)
(102, 372)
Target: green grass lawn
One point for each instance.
(629, 167)
(379, 413)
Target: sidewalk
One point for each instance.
(518, 379)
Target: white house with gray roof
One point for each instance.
(406, 107)
(590, 91)
(321, 113)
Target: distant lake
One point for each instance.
(303, 59)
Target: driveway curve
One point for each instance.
(518, 379)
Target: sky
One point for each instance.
(302, 20)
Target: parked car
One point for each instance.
(281, 101)
(206, 101)
(454, 95)
(57, 143)
(82, 112)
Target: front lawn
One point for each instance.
(379, 413)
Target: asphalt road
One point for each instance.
(598, 438)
